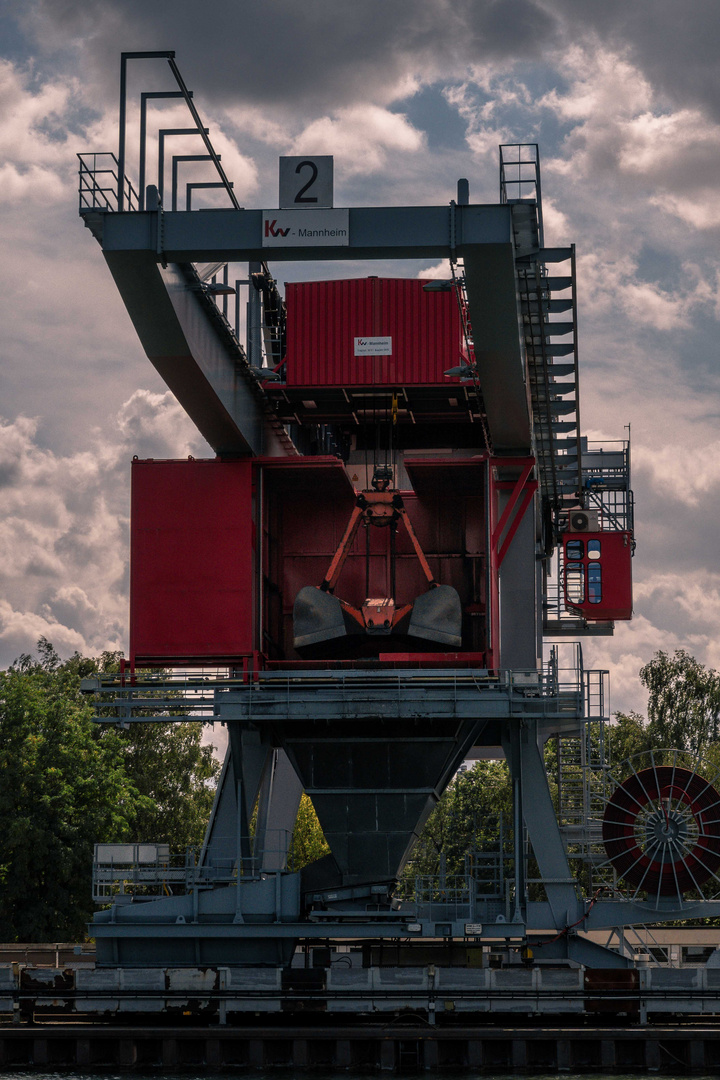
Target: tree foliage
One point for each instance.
(308, 840)
(683, 702)
(63, 787)
(628, 736)
(68, 783)
(175, 776)
(467, 818)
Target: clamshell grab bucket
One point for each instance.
(319, 617)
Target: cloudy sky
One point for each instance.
(623, 98)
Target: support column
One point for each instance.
(544, 831)
(697, 1054)
(228, 832)
(127, 1052)
(387, 1055)
(474, 1054)
(430, 1054)
(518, 573)
(519, 1053)
(300, 1053)
(169, 1052)
(40, 1052)
(343, 1054)
(652, 1055)
(256, 1054)
(278, 804)
(213, 1052)
(512, 749)
(251, 757)
(563, 1055)
(607, 1053)
(82, 1052)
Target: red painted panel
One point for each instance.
(324, 318)
(191, 561)
(598, 574)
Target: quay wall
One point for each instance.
(677, 1049)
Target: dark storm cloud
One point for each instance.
(330, 52)
(320, 51)
(674, 44)
(672, 536)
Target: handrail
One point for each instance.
(102, 195)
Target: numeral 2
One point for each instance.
(301, 197)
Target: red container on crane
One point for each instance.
(191, 562)
(370, 332)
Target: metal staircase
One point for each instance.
(583, 790)
(552, 364)
(552, 373)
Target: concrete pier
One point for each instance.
(388, 1048)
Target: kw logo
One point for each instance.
(271, 230)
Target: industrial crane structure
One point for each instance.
(401, 508)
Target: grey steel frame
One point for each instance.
(150, 253)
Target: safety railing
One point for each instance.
(149, 870)
(450, 898)
(606, 482)
(597, 684)
(139, 870)
(178, 696)
(520, 177)
(98, 184)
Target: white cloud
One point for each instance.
(602, 87)
(360, 137)
(624, 130)
(64, 526)
(21, 630)
(483, 132)
(678, 471)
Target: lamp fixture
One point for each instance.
(462, 371)
(266, 373)
(438, 286)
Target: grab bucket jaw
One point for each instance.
(437, 616)
(317, 617)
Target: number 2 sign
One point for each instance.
(306, 182)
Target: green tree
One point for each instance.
(168, 764)
(176, 777)
(629, 735)
(64, 787)
(308, 840)
(683, 702)
(68, 783)
(683, 713)
(466, 817)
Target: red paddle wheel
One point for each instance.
(661, 831)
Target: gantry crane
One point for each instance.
(359, 583)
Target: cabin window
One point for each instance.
(594, 583)
(575, 582)
(593, 549)
(574, 549)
